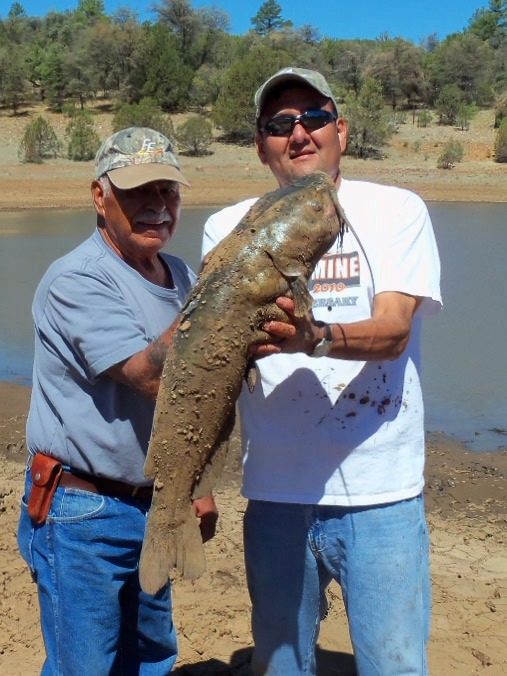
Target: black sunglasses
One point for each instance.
(311, 121)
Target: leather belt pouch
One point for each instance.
(46, 473)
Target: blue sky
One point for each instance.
(410, 19)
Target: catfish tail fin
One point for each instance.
(165, 549)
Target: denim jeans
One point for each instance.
(379, 556)
(95, 618)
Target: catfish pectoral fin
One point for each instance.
(164, 550)
(190, 555)
(303, 301)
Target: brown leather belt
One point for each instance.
(114, 489)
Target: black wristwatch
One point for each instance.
(323, 347)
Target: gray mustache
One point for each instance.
(155, 219)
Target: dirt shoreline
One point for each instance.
(231, 173)
(62, 186)
(467, 514)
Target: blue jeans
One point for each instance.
(379, 556)
(95, 618)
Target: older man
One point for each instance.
(103, 318)
(333, 433)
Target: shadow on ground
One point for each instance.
(329, 663)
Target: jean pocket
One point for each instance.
(75, 505)
(26, 532)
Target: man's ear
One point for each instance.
(259, 143)
(343, 133)
(98, 197)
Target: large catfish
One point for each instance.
(271, 252)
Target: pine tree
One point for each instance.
(83, 138)
(39, 141)
(269, 18)
(367, 119)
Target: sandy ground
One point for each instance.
(467, 512)
(465, 492)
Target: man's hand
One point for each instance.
(206, 510)
(298, 334)
(384, 335)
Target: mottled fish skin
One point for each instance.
(271, 252)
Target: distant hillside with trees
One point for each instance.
(187, 60)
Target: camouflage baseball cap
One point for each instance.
(310, 77)
(135, 156)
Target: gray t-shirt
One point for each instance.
(91, 310)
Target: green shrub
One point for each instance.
(464, 115)
(39, 142)
(146, 113)
(448, 103)
(500, 112)
(194, 136)
(451, 154)
(396, 120)
(424, 118)
(501, 143)
(83, 139)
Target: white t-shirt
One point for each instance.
(333, 431)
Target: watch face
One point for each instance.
(322, 348)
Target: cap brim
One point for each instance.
(126, 178)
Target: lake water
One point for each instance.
(464, 354)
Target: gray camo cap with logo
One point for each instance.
(135, 156)
(310, 77)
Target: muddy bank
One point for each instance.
(467, 513)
